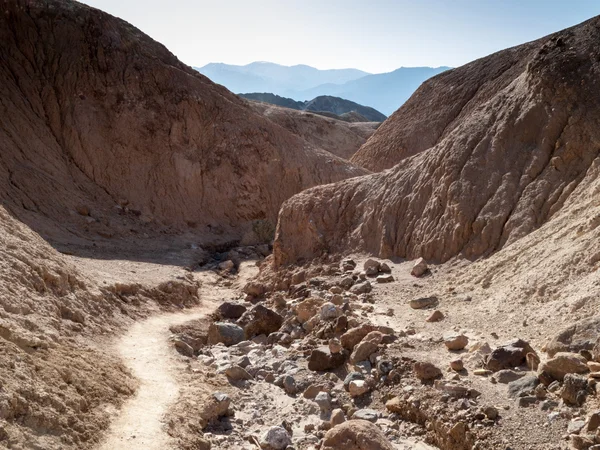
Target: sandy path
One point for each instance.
(146, 351)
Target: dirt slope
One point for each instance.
(510, 164)
(341, 138)
(95, 113)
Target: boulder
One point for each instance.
(455, 341)
(563, 363)
(275, 438)
(230, 310)
(510, 355)
(419, 268)
(260, 320)
(356, 434)
(366, 347)
(581, 336)
(226, 333)
(426, 371)
(322, 359)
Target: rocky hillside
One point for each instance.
(342, 138)
(98, 118)
(321, 104)
(513, 156)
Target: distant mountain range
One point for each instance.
(385, 92)
(338, 107)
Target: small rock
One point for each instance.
(509, 355)
(366, 414)
(524, 386)
(361, 288)
(337, 417)
(226, 266)
(348, 264)
(526, 401)
(388, 278)
(426, 371)
(230, 310)
(419, 268)
(358, 388)
(482, 372)
(322, 359)
(356, 431)
(505, 376)
(183, 347)
(574, 389)
(324, 401)
(491, 412)
(368, 345)
(236, 373)
(457, 365)
(435, 316)
(226, 333)
(275, 438)
(289, 385)
(371, 267)
(329, 311)
(352, 376)
(260, 320)
(455, 342)
(335, 346)
(575, 426)
(423, 302)
(385, 268)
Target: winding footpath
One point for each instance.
(145, 350)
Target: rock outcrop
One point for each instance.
(100, 119)
(513, 158)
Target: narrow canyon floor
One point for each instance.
(295, 369)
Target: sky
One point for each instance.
(375, 35)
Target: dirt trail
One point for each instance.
(145, 350)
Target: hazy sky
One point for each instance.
(373, 35)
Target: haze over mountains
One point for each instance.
(385, 92)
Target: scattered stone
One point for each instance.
(594, 366)
(307, 308)
(435, 316)
(356, 435)
(367, 346)
(419, 268)
(226, 333)
(509, 355)
(323, 399)
(574, 389)
(260, 320)
(361, 288)
(457, 365)
(230, 310)
(336, 290)
(366, 414)
(254, 289)
(335, 346)
(354, 335)
(322, 359)
(237, 373)
(505, 376)
(491, 412)
(348, 265)
(593, 422)
(352, 376)
(575, 426)
(226, 266)
(423, 302)
(563, 363)
(385, 268)
(337, 417)
(275, 438)
(482, 372)
(526, 401)
(184, 348)
(329, 311)
(388, 278)
(371, 267)
(455, 342)
(524, 386)
(426, 371)
(289, 385)
(453, 389)
(358, 388)
(581, 336)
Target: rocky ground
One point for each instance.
(402, 352)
